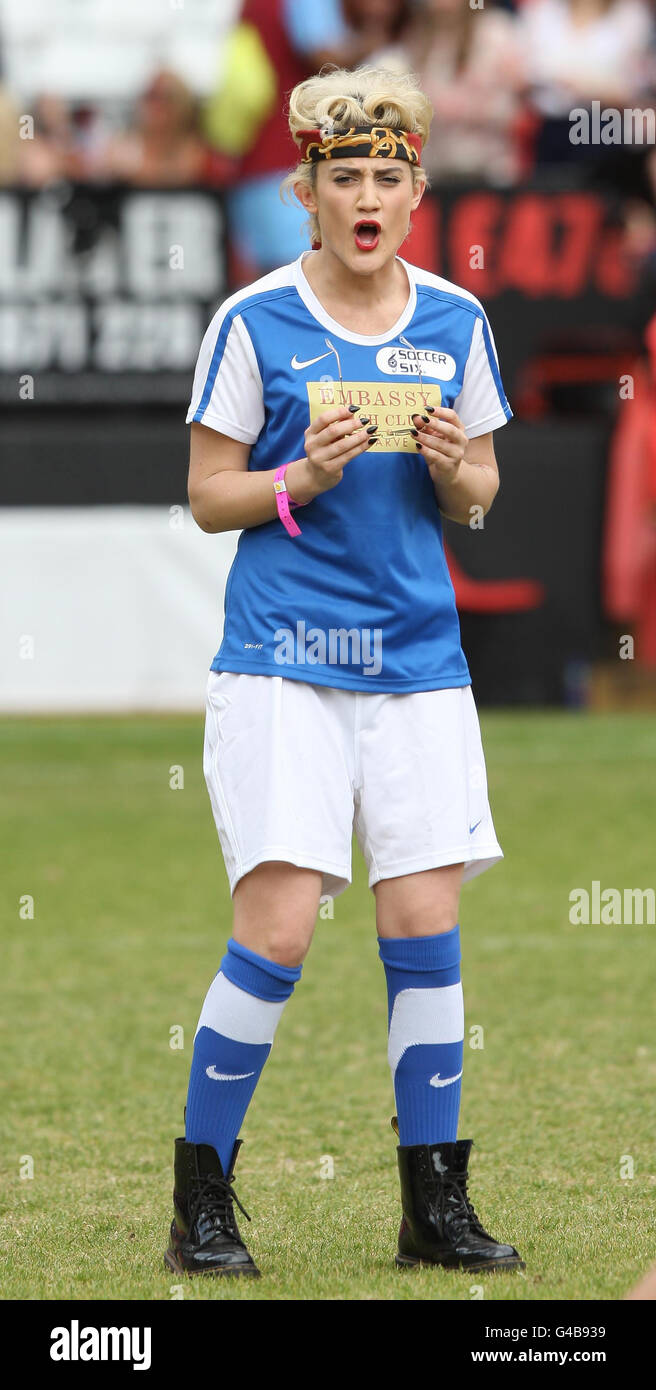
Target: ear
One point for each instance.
(418, 194)
(306, 196)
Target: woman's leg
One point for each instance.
(275, 910)
(419, 944)
(419, 904)
(418, 940)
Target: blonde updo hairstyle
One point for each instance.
(336, 99)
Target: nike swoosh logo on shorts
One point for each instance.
(473, 827)
(215, 1075)
(298, 366)
(448, 1080)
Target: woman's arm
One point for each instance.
(225, 496)
(464, 472)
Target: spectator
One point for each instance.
(165, 147)
(469, 64)
(46, 155)
(577, 52)
(67, 142)
(277, 44)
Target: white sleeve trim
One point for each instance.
(493, 422)
(231, 388)
(227, 427)
(249, 350)
(480, 396)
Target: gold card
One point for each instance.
(389, 407)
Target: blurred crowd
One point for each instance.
(503, 79)
(193, 93)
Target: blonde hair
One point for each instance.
(336, 98)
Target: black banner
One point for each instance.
(105, 293)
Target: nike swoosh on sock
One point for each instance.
(226, 1076)
(448, 1080)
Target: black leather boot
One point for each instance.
(439, 1225)
(205, 1237)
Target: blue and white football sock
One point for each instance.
(233, 1039)
(426, 1024)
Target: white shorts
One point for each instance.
(293, 769)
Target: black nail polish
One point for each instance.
(425, 419)
(353, 409)
(414, 432)
(418, 446)
(372, 429)
(364, 419)
(430, 409)
(372, 441)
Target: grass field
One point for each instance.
(131, 916)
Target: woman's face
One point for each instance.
(364, 208)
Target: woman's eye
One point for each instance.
(348, 178)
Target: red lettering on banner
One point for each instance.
(524, 257)
(540, 244)
(615, 276)
(548, 244)
(581, 216)
(475, 220)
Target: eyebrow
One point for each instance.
(393, 167)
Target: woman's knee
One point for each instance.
(275, 910)
(420, 904)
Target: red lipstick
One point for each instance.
(367, 233)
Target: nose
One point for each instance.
(368, 196)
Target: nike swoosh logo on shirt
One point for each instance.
(298, 366)
(448, 1080)
(473, 827)
(215, 1075)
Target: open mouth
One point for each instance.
(367, 234)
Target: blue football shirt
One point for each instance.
(362, 599)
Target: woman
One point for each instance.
(469, 62)
(340, 695)
(578, 52)
(164, 148)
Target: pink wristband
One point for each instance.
(284, 501)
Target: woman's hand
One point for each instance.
(443, 442)
(331, 441)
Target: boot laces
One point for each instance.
(214, 1196)
(455, 1199)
